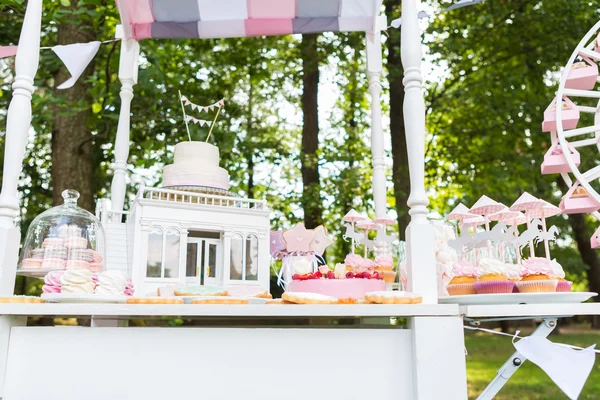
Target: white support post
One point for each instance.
(438, 347)
(18, 123)
(6, 324)
(420, 236)
(128, 70)
(374, 68)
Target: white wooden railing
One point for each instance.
(106, 215)
(182, 197)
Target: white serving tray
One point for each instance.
(518, 298)
(83, 298)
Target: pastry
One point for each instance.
(248, 291)
(78, 264)
(81, 254)
(537, 276)
(53, 242)
(52, 282)
(308, 298)
(31, 263)
(77, 281)
(57, 252)
(154, 300)
(96, 267)
(53, 263)
(76, 243)
(111, 283)
(201, 291)
(220, 300)
(492, 277)
(37, 254)
(463, 282)
(393, 297)
(21, 299)
(385, 266)
(579, 192)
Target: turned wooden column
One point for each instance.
(420, 236)
(18, 124)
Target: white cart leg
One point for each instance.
(6, 324)
(439, 364)
(514, 362)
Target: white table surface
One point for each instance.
(123, 311)
(530, 310)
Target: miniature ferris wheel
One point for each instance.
(577, 94)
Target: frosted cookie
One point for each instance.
(393, 298)
(278, 301)
(220, 300)
(76, 243)
(21, 299)
(53, 263)
(154, 300)
(201, 291)
(248, 291)
(308, 298)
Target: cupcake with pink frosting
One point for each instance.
(384, 264)
(464, 277)
(356, 263)
(52, 282)
(537, 276)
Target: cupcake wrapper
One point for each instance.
(461, 289)
(564, 286)
(537, 286)
(494, 287)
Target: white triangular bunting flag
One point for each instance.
(568, 368)
(222, 102)
(184, 98)
(76, 58)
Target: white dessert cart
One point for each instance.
(249, 351)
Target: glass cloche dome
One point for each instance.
(63, 237)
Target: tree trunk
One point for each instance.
(400, 175)
(72, 158)
(589, 256)
(251, 177)
(311, 193)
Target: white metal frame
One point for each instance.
(584, 47)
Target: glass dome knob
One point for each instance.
(70, 197)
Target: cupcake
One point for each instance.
(537, 276)
(563, 285)
(356, 263)
(464, 278)
(513, 273)
(492, 277)
(385, 266)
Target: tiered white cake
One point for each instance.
(196, 164)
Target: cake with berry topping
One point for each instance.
(353, 285)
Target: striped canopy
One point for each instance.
(241, 18)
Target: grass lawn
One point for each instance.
(487, 352)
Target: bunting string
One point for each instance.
(200, 122)
(208, 108)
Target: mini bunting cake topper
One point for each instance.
(187, 118)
